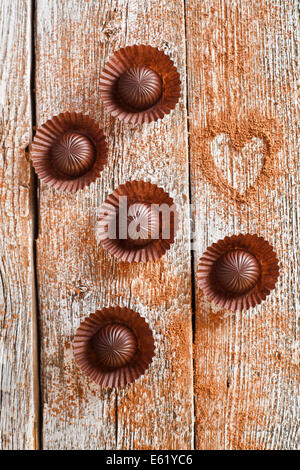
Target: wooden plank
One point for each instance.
(74, 39)
(241, 61)
(18, 410)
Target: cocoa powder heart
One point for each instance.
(238, 157)
(240, 167)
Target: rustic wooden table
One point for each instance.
(218, 381)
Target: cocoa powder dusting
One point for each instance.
(227, 47)
(240, 132)
(243, 91)
(173, 359)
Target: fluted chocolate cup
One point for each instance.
(114, 346)
(137, 222)
(238, 272)
(69, 151)
(139, 84)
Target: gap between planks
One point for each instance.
(192, 257)
(37, 431)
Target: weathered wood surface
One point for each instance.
(241, 63)
(73, 41)
(17, 305)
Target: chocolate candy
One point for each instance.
(238, 272)
(134, 230)
(73, 154)
(114, 346)
(139, 87)
(139, 84)
(69, 151)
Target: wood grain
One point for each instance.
(73, 40)
(18, 412)
(241, 64)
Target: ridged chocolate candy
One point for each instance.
(237, 271)
(73, 154)
(140, 87)
(115, 345)
(142, 223)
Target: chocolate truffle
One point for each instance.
(69, 151)
(142, 223)
(143, 233)
(139, 84)
(238, 272)
(73, 154)
(139, 87)
(114, 346)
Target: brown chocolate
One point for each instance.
(142, 222)
(73, 154)
(238, 272)
(69, 151)
(140, 235)
(114, 346)
(139, 87)
(139, 84)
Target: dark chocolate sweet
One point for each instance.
(143, 233)
(69, 151)
(142, 223)
(139, 87)
(139, 84)
(237, 271)
(73, 154)
(115, 345)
